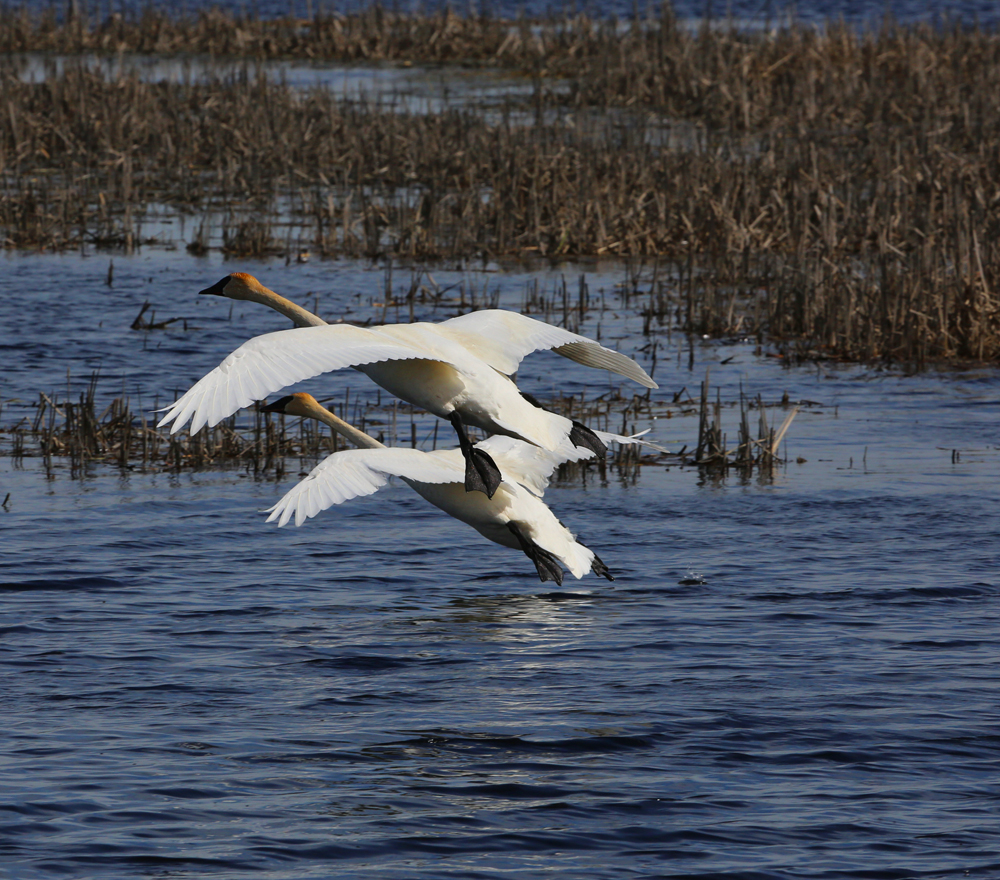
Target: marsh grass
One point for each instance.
(838, 194)
(79, 430)
(758, 449)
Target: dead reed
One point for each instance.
(80, 430)
(375, 34)
(761, 451)
(833, 192)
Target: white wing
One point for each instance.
(527, 464)
(503, 339)
(532, 466)
(268, 363)
(353, 473)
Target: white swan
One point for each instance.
(458, 370)
(515, 516)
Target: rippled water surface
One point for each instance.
(790, 678)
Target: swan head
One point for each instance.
(297, 404)
(243, 286)
(238, 285)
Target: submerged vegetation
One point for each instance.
(80, 430)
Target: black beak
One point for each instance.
(278, 405)
(217, 288)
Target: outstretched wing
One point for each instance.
(503, 338)
(268, 363)
(353, 473)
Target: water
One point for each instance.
(411, 89)
(751, 12)
(790, 678)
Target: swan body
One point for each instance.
(514, 517)
(458, 370)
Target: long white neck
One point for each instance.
(298, 315)
(357, 437)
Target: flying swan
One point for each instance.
(458, 370)
(515, 516)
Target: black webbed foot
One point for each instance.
(481, 472)
(579, 435)
(546, 564)
(582, 436)
(599, 568)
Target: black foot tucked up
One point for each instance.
(583, 437)
(579, 435)
(546, 564)
(481, 472)
(598, 567)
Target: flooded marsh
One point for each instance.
(833, 190)
(793, 675)
(800, 657)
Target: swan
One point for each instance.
(515, 516)
(458, 370)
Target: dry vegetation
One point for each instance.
(80, 431)
(838, 195)
(75, 428)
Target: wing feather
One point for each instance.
(268, 363)
(593, 354)
(530, 465)
(353, 473)
(503, 338)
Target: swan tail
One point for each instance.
(631, 440)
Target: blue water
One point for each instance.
(791, 678)
(751, 12)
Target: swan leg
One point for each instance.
(582, 436)
(546, 564)
(481, 472)
(599, 568)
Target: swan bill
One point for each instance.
(217, 288)
(279, 405)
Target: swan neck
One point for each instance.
(298, 315)
(357, 437)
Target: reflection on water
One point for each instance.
(790, 678)
(406, 88)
